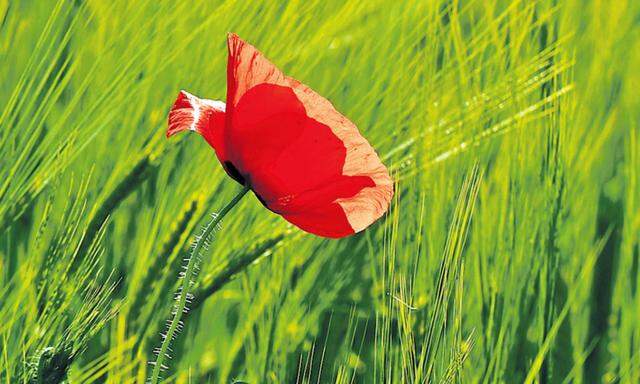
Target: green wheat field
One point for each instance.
(510, 253)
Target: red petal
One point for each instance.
(304, 159)
(200, 115)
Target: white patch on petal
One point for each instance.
(215, 104)
(197, 103)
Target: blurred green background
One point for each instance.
(510, 253)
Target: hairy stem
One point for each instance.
(187, 282)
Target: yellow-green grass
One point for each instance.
(510, 254)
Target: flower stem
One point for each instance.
(187, 283)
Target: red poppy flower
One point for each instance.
(302, 158)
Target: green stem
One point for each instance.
(186, 285)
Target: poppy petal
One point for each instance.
(246, 68)
(207, 117)
(361, 160)
(200, 115)
(303, 159)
